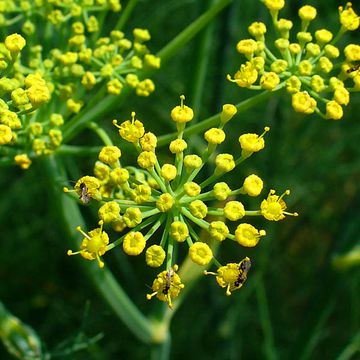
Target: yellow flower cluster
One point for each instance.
(138, 201)
(21, 96)
(63, 79)
(304, 63)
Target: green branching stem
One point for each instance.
(95, 110)
(215, 119)
(103, 279)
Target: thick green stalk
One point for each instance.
(125, 14)
(202, 62)
(186, 35)
(215, 119)
(100, 108)
(103, 279)
(269, 347)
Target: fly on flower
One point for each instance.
(84, 196)
(353, 68)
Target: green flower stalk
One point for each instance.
(158, 207)
(308, 65)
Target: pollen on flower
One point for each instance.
(134, 243)
(155, 256)
(273, 207)
(182, 113)
(232, 276)
(247, 235)
(167, 286)
(200, 253)
(94, 244)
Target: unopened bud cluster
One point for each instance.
(317, 74)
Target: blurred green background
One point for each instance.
(295, 305)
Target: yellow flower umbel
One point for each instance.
(305, 64)
(86, 66)
(158, 207)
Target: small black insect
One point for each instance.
(244, 268)
(84, 197)
(352, 69)
(169, 276)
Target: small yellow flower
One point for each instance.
(179, 231)
(232, 276)
(198, 209)
(182, 114)
(214, 136)
(218, 230)
(177, 146)
(15, 43)
(323, 36)
(200, 253)
(192, 162)
(251, 143)
(192, 189)
(109, 212)
(317, 83)
(279, 66)
(228, 112)
(168, 172)
(114, 87)
(305, 68)
(134, 243)
(88, 80)
(348, 18)
(257, 30)
(73, 105)
(325, 65)
(246, 76)
(146, 159)
(334, 111)
(109, 154)
(132, 217)
(167, 286)
(119, 176)
(341, 96)
(221, 191)
(141, 35)
(148, 142)
(273, 207)
(247, 235)
(247, 47)
(253, 185)
(234, 210)
(303, 102)
(141, 193)
(293, 84)
(224, 163)
(352, 52)
(155, 256)
(131, 131)
(94, 244)
(23, 161)
(274, 4)
(165, 202)
(269, 81)
(307, 13)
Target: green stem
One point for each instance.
(186, 35)
(215, 119)
(101, 133)
(269, 347)
(202, 62)
(78, 150)
(103, 279)
(95, 110)
(125, 14)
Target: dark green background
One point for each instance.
(311, 310)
